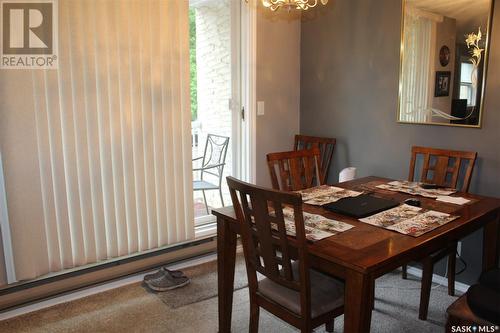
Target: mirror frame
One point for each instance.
(485, 72)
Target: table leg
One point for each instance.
(358, 307)
(491, 239)
(226, 256)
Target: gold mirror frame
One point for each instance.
(483, 84)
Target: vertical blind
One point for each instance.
(417, 66)
(110, 134)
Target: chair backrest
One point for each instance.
(297, 170)
(215, 155)
(326, 147)
(443, 167)
(267, 248)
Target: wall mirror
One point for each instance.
(444, 55)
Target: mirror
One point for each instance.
(444, 52)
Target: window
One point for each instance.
(467, 89)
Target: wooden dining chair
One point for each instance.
(295, 170)
(444, 168)
(326, 147)
(290, 290)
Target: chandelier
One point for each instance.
(292, 4)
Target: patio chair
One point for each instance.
(212, 163)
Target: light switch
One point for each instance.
(260, 108)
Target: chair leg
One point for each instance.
(404, 271)
(425, 290)
(254, 317)
(221, 198)
(452, 259)
(205, 200)
(330, 325)
(372, 296)
(306, 326)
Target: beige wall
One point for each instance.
(278, 84)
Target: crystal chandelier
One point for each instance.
(292, 4)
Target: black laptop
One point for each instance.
(361, 206)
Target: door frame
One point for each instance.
(249, 89)
(243, 102)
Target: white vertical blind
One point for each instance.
(417, 66)
(111, 135)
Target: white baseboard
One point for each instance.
(441, 280)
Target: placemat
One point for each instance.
(317, 227)
(325, 194)
(414, 188)
(409, 220)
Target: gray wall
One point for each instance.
(349, 90)
(278, 85)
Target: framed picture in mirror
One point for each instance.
(444, 55)
(442, 85)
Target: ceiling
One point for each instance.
(470, 14)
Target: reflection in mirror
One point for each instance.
(443, 61)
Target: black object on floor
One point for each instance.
(165, 280)
(484, 302)
(491, 279)
(162, 272)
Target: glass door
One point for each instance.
(215, 50)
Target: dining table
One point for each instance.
(365, 252)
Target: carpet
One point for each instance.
(132, 309)
(203, 284)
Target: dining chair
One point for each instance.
(326, 147)
(447, 168)
(290, 289)
(212, 164)
(295, 170)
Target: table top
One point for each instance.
(367, 248)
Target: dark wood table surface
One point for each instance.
(364, 253)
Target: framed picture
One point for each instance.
(444, 56)
(442, 87)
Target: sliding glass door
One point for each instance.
(215, 50)
(96, 154)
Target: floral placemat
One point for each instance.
(317, 227)
(414, 188)
(409, 220)
(324, 194)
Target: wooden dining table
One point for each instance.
(366, 252)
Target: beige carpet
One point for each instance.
(133, 309)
